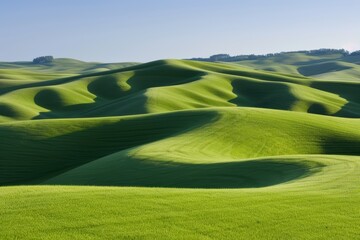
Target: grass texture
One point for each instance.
(179, 149)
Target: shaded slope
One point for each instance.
(120, 170)
(321, 68)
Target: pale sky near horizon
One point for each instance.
(145, 30)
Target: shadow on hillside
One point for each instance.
(348, 91)
(272, 95)
(144, 173)
(314, 61)
(349, 110)
(340, 146)
(317, 108)
(321, 68)
(7, 111)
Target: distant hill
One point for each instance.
(65, 65)
(317, 52)
(329, 64)
(15, 73)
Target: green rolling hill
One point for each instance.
(18, 73)
(334, 66)
(260, 149)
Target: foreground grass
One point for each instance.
(323, 205)
(55, 212)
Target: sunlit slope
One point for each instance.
(171, 85)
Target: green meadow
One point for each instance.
(181, 149)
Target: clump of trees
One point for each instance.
(43, 60)
(219, 57)
(316, 52)
(326, 51)
(356, 53)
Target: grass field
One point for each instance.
(179, 149)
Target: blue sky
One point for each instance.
(145, 30)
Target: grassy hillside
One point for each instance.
(334, 67)
(21, 73)
(180, 149)
(61, 65)
(170, 85)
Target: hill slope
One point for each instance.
(334, 67)
(171, 85)
(191, 150)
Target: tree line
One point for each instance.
(43, 60)
(317, 52)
